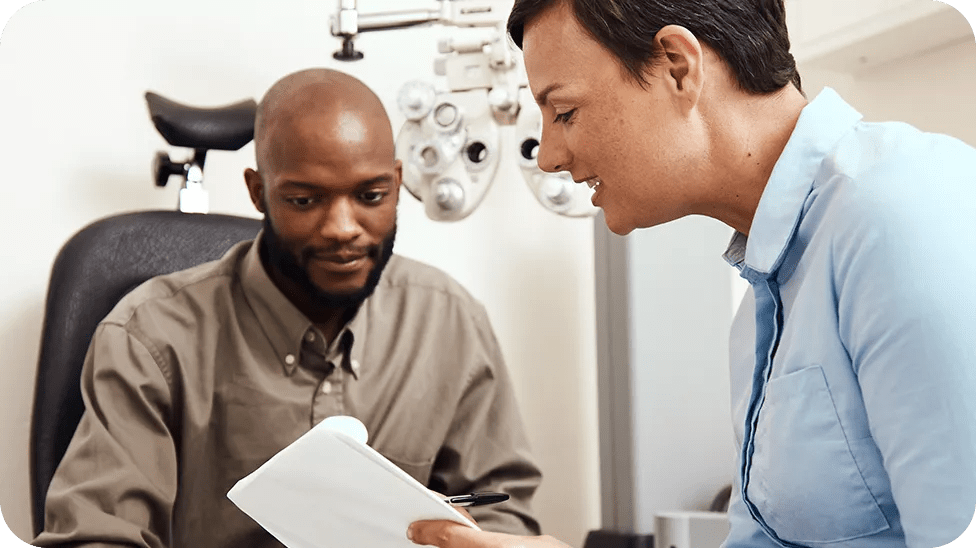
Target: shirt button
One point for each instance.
(310, 336)
(326, 388)
(290, 359)
(355, 366)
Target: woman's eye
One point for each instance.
(565, 116)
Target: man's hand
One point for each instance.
(447, 534)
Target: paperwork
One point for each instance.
(329, 489)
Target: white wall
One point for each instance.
(935, 91)
(681, 315)
(76, 144)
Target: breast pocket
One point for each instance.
(418, 466)
(248, 426)
(804, 480)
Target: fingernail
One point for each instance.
(410, 533)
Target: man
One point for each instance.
(197, 378)
(852, 360)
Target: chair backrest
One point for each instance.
(94, 269)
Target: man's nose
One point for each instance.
(340, 222)
(554, 155)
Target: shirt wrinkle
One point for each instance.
(165, 368)
(234, 401)
(832, 451)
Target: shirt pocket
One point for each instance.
(418, 467)
(804, 480)
(248, 426)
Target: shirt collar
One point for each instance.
(287, 328)
(822, 123)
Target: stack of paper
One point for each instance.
(329, 489)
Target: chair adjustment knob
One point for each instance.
(163, 168)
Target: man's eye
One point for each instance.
(300, 201)
(564, 117)
(372, 197)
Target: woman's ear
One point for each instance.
(682, 67)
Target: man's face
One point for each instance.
(275, 254)
(601, 125)
(329, 192)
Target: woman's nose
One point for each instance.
(553, 154)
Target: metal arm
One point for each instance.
(349, 21)
(450, 144)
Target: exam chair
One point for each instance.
(108, 258)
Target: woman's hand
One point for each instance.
(448, 534)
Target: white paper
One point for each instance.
(329, 489)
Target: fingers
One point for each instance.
(458, 508)
(465, 513)
(448, 534)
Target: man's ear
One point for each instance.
(255, 187)
(683, 66)
(398, 169)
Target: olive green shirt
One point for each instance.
(197, 378)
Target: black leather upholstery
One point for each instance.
(94, 269)
(222, 128)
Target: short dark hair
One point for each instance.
(749, 35)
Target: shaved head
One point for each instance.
(340, 108)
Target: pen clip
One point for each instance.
(476, 499)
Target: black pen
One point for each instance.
(476, 499)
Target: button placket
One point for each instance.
(337, 390)
(769, 327)
(328, 399)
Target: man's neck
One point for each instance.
(331, 328)
(328, 320)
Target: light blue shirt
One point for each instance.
(853, 357)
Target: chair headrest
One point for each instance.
(220, 128)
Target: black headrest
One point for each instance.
(221, 128)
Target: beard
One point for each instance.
(275, 255)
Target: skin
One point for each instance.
(328, 183)
(691, 142)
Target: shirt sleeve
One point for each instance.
(907, 314)
(486, 448)
(117, 483)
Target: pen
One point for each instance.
(476, 499)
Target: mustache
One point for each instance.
(292, 266)
(339, 250)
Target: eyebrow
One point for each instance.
(543, 96)
(376, 180)
(365, 183)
